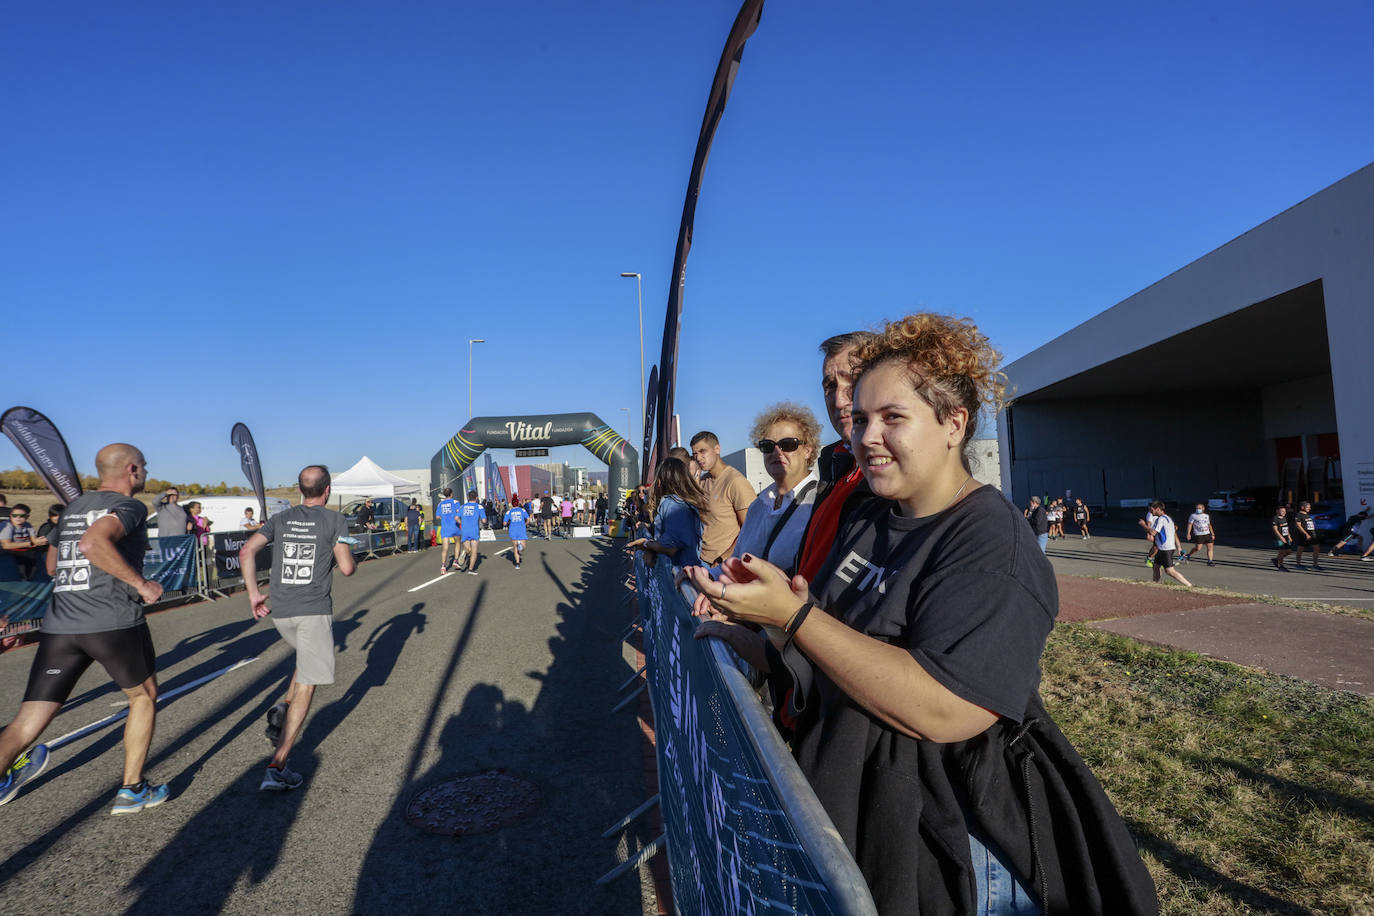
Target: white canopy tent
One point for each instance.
(368, 478)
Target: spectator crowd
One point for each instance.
(894, 611)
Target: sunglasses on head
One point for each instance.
(790, 444)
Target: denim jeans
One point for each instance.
(413, 538)
(1000, 893)
(1044, 541)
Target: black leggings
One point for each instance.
(127, 655)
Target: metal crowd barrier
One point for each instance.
(735, 805)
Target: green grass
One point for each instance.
(1248, 792)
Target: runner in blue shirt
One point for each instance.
(516, 518)
(470, 516)
(447, 514)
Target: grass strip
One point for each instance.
(1248, 792)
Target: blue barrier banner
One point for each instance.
(732, 847)
(24, 600)
(171, 561)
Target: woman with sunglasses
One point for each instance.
(790, 438)
(915, 660)
(676, 504)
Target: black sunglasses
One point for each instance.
(790, 444)
(19, 515)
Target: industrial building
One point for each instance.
(1248, 368)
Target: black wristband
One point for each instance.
(795, 623)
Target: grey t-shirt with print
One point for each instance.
(303, 539)
(86, 599)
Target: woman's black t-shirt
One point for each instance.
(967, 591)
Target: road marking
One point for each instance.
(499, 552)
(430, 582)
(111, 719)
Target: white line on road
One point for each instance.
(111, 719)
(430, 582)
(499, 552)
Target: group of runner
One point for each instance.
(95, 557)
(460, 528)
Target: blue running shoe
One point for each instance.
(29, 765)
(127, 801)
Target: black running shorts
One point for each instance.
(127, 655)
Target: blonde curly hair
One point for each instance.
(952, 363)
(794, 413)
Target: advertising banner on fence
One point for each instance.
(171, 562)
(731, 845)
(24, 600)
(227, 547)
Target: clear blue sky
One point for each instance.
(296, 214)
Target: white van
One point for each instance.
(225, 512)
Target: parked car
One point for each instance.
(1329, 517)
(1229, 501)
(382, 510)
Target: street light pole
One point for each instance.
(475, 340)
(639, 287)
(629, 424)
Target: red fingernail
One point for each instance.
(747, 558)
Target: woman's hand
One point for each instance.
(752, 590)
(637, 544)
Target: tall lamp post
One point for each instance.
(475, 340)
(639, 287)
(629, 424)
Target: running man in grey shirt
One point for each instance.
(305, 550)
(95, 556)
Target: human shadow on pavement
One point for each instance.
(248, 825)
(585, 763)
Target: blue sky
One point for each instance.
(295, 215)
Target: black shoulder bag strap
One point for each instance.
(782, 522)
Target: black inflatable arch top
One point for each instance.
(447, 466)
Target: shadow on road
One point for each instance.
(584, 762)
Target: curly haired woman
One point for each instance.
(915, 659)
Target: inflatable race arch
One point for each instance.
(448, 465)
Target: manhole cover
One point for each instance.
(473, 804)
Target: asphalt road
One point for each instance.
(1116, 551)
(509, 670)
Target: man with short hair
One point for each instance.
(515, 520)
(729, 494)
(1283, 537)
(95, 556)
(413, 526)
(1166, 540)
(842, 485)
(1305, 536)
(447, 513)
(367, 516)
(306, 547)
(470, 516)
(172, 520)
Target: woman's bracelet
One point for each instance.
(794, 623)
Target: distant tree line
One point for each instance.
(17, 479)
